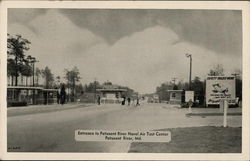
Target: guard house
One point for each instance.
(30, 95)
(111, 93)
(175, 96)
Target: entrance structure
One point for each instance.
(111, 93)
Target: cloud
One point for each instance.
(141, 60)
(55, 40)
(148, 58)
(216, 30)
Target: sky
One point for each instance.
(136, 48)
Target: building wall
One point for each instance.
(175, 97)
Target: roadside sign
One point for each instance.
(189, 95)
(220, 87)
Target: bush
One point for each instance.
(17, 103)
(184, 105)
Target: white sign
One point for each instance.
(122, 136)
(189, 95)
(110, 96)
(220, 87)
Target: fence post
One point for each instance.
(225, 113)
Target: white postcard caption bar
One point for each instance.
(127, 136)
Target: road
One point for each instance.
(53, 131)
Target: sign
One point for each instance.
(189, 95)
(122, 136)
(110, 96)
(218, 88)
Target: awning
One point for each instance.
(24, 87)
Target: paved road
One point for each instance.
(53, 131)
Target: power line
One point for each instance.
(174, 79)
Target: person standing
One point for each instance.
(62, 95)
(99, 100)
(128, 101)
(137, 102)
(58, 96)
(123, 100)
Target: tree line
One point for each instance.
(198, 85)
(21, 65)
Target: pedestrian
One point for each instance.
(99, 100)
(128, 101)
(58, 96)
(123, 100)
(137, 102)
(62, 95)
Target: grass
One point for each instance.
(207, 139)
(214, 114)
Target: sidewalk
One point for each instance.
(216, 110)
(203, 112)
(33, 109)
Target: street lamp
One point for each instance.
(190, 72)
(33, 60)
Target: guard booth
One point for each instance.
(25, 95)
(175, 96)
(22, 95)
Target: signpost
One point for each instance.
(221, 90)
(225, 105)
(190, 104)
(189, 98)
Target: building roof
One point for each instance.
(50, 90)
(31, 88)
(24, 87)
(112, 90)
(171, 90)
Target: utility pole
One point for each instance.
(95, 91)
(190, 71)
(33, 60)
(174, 79)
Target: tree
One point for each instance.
(199, 89)
(72, 76)
(217, 71)
(175, 87)
(11, 69)
(92, 86)
(16, 47)
(162, 91)
(79, 89)
(26, 70)
(58, 80)
(48, 76)
(38, 73)
(238, 81)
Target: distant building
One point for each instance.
(175, 96)
(156, 98)
(111, 93)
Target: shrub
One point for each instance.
(17, 103)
